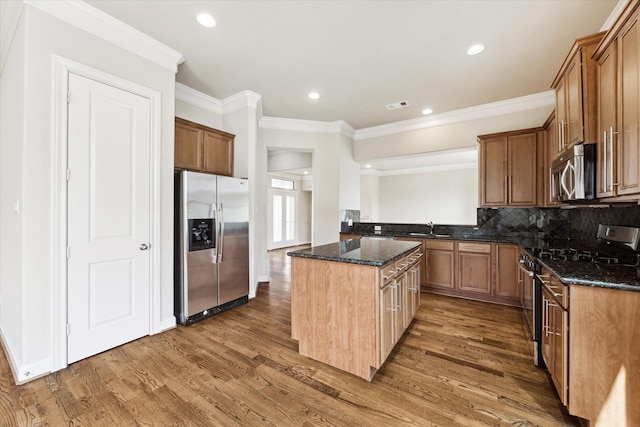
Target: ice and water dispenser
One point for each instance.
(202, 234)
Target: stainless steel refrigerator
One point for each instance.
(211, 244)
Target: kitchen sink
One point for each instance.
(429, 235)
(418, 234)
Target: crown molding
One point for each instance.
(514, 105)
(100, 24)
(10, 12)
(198, 99)
(338, 127)
(241, 100)
(237, 102)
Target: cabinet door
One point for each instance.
(559, 335)
(547, 324)
(522, 180)
(474, 268)
(440, 270)
(401, 307)
(506, 273)
(493, 172)
(188, 147)
(387, 316)
(561, 118)
(607, 101)
(573, 81)
(629, 109)
(218, 153)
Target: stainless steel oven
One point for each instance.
(531, 301)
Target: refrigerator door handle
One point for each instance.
(221, 240)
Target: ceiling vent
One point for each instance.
(397, 105)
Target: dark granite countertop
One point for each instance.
(374, 252)
(621, 277)
(613, 276)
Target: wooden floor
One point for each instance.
(460, 363)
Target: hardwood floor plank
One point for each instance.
(460, 363)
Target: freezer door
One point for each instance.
(202, 292)
(201, 275)
(233, 250)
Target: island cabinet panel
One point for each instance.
(604, 356)
(350, 316)
(329, 302)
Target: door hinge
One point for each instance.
(68, 252)
(68, 329)
(68, 97)
(68, 174)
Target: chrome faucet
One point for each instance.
(430, 225)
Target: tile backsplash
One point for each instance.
(549, 224)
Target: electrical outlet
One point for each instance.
(377, 228)
(350, 222)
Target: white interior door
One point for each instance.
(108, 217)
(283, 207)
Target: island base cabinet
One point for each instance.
(604, 356)
(350, 316)
(328, 302)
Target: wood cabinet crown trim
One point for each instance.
(577, 45)
(203, 127)
(612, 33)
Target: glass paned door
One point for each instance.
(282, 210)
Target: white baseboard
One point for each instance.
(25, 373)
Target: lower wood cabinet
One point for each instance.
(439, 268)
(474, 267)
(604, 355)
(555, 332)
(482, 271)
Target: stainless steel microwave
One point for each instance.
(573, 174)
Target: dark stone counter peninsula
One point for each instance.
(374, 252)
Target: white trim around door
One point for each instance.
(62, 67)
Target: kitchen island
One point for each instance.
(351, 301)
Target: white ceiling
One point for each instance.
(362, 55)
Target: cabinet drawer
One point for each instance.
(388, 273)
(484, 248)
(439, 244)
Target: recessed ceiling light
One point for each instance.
(206, 20)
(313, 95)
(475, 49)
(306, 173)
(427, 111)
(367, 166)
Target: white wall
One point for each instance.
(305, 208)
(369, 197)
(28, 152)
(349, 176)
(444, 197)
(446, 137)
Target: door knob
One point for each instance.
(144, 247)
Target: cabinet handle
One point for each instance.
(611, 133)
(604, 161)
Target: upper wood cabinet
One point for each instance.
(618, 78)
(549, 153)
(575, 87)
(202, 149)
(508, 168)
